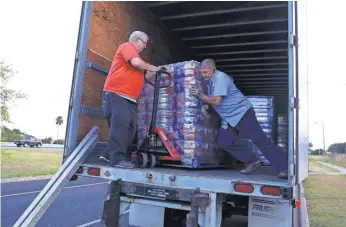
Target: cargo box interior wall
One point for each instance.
(248, 40)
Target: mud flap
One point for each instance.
(269, 212)
(146, 215)
(111, 207)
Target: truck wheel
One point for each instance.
(142, 160)
(39, 145)
(151, 161)
(31, 146)
(26, 144)
(18, 145)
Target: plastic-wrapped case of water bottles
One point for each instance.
(179, 115)
(264, 109)
(282, 132)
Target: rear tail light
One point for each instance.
(245, 188)
(271, 190)
(94, 171)
(298, 203)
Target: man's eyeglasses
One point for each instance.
(145, 43)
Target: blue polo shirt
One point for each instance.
(233, 105)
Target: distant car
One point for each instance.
(27, 141)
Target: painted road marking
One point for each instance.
(32, 192)
(97, 221)
(90, 223)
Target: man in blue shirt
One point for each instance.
(238, 120)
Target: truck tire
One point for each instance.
(26, 144)
(31, 146)
(18, 145)
(39, 145)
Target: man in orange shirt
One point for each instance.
(121, 91)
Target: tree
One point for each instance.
(8, 96)
(338, 148)
(59, 121)
(318, 152)
(59, 141)
(47, 140)
(8, 135)
(17, 131)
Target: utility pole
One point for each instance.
(324, 142)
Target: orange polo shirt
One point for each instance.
(123, 78)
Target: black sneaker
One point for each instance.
(283, 174)
(124, 164)
(251, 167)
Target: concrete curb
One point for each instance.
(322, 173)
(21, 179)
(304, 216)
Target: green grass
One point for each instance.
(340, 160)
(326, 198)
(315, 166)
(329, 160)
(24, 162)
(331, 169)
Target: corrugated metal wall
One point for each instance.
(248, 40)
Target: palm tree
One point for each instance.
(59, 121)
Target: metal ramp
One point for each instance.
(48, 194)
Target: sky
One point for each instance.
(39, 40)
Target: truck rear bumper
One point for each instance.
(218, 181)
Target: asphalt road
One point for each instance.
(78, 205)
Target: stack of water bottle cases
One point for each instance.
(282, 132)
(179, 115)
(264, 109)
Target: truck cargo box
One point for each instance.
(254, 42)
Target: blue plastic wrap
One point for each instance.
(264, 109)
(282, 132)
(188, 138)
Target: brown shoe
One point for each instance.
(283, 174)
(251, 167)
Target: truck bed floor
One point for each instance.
(263, 175)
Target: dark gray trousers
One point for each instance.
(122, 121)
(249, 128)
